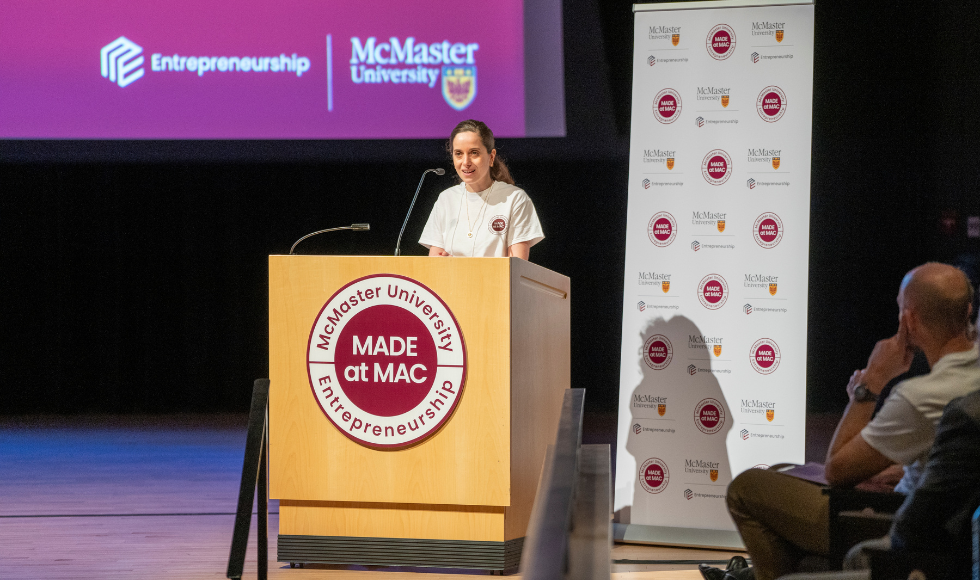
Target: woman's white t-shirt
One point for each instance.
(499, 216)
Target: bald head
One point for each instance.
(940, 295)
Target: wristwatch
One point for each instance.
(863, 395)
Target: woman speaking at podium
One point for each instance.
(486, 214)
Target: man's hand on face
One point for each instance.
(890, 358)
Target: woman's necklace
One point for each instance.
(471, 225)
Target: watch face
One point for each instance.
(861, 393)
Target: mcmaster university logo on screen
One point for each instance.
(450, 66)
(419, 63)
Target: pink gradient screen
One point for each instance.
(291, 69)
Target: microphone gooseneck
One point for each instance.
(398, 245)
(354, 227)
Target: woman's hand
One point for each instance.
(436, 251)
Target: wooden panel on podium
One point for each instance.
(472, 482)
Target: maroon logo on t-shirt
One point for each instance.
(497, 225)
(654, 475)
(386, 361)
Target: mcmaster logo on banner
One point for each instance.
(759, 407)
(650, 402)
(706, 343)
(673, 33)
(648, 278)
(765, 28)
(386, 361)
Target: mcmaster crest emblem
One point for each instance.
(661, 409)
(717, 350)
(772, 288)
(721, 225)
(675, 39)
(459, 86)
(665, 286)
(713, 474)
(779, 35)
(775, 162)
(724, 100)
(770, 415)
(670, 163)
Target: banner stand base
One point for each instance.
(681, 537)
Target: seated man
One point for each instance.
(936, 517)
(783, 519)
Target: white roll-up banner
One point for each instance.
(713, 378)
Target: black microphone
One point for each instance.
(354, 227)
(437, 171)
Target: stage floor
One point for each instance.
(143, 497)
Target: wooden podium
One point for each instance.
(461, 497)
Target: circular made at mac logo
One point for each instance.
(721, 42)
(497, 225)
(386, 361)
(716, 167)
(667, 106)
(657, 352)
(771, 104)
(713, 291)
(768, 230)
(654, 475)
(764, 356)
(709, 416)
(662, 229)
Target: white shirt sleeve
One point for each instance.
(899, 431)
(433, 234)
(525, 226)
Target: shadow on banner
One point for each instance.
(678, 430)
